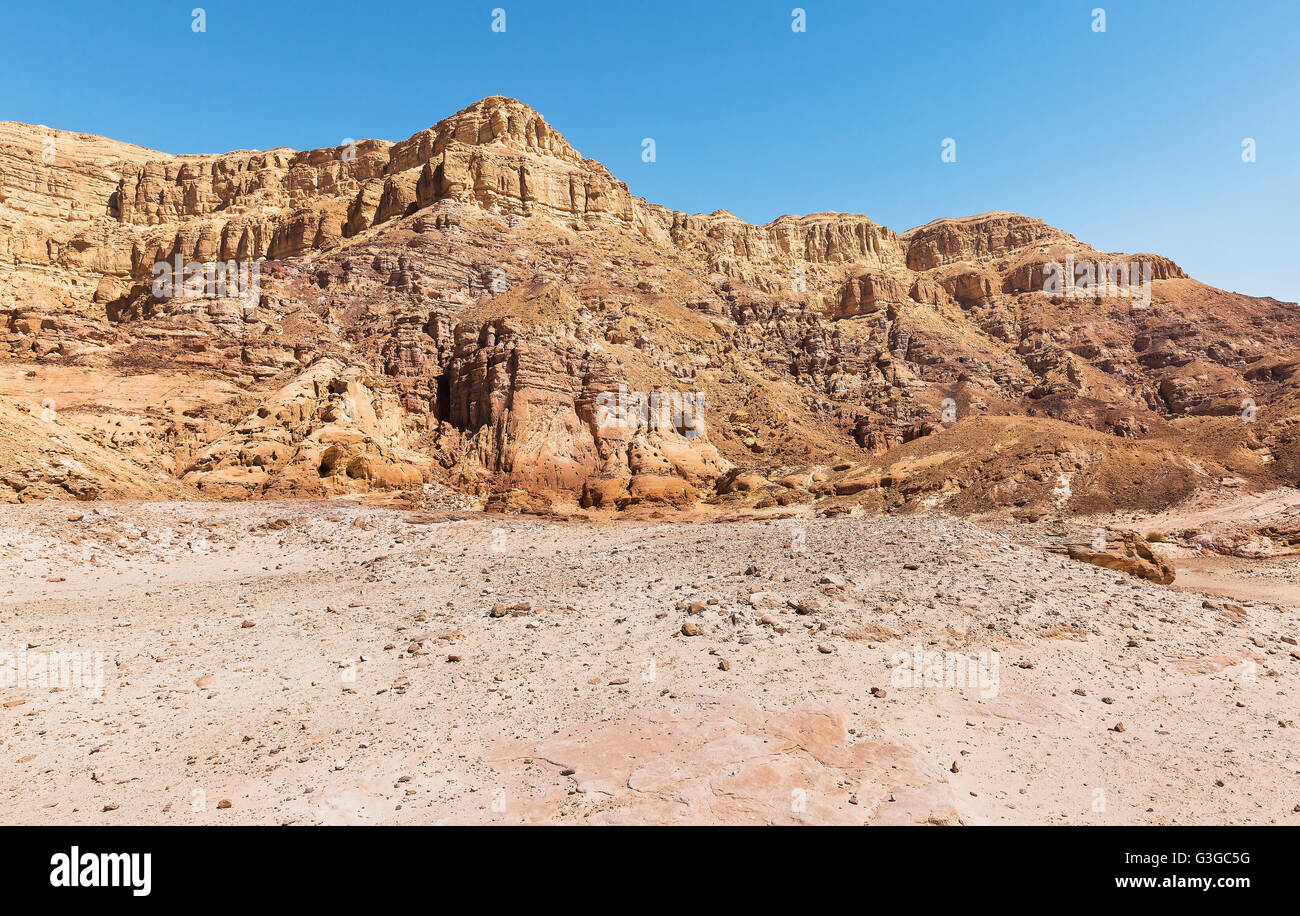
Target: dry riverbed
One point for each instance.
(309, 663)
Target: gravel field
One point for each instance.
(326, 662)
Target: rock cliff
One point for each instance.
(479, 306)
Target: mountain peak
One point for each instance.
(506, 121)
(962, 238)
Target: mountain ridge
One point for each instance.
(448, 310)
(477, 116)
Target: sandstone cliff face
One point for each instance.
(49, 456)
(328, 432)
(544, 408)
(974, 238)
(479, 291)
(498, 154)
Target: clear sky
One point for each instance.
(1131, 138)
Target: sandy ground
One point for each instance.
(1272, 579)
(333, 663)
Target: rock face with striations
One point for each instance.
(503, 316)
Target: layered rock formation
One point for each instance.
(480, 306)
(328, 431)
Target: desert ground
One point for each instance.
(331, 662)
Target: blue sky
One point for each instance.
(1130, 139)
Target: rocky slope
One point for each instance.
(481, 307)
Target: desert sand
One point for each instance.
(328, 662)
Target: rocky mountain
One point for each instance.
(480, 308)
